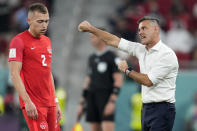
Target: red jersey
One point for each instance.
(35, 55)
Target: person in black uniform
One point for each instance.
(101, 88)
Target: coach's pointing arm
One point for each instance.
(108, 38)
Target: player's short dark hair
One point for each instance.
(38, 7)
(151, 18)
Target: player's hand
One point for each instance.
(58, 112)
(122, 66)
(84, 26)
(109, 108)
(31, 110)
(79, 112)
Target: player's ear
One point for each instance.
(30, 17)
(157, 29)
(29, 21)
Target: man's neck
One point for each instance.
(149, 46)
(33, 34)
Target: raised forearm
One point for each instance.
(108, 38)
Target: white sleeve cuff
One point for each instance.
(152, 78)
(123, 45)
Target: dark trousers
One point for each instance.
(158, 116)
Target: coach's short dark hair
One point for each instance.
(38, 7)
(151, 18)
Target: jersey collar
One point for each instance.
(100, 53)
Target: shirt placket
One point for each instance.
(146, 61)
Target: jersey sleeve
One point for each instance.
(16, 50)
(114, 62)
(132, 48)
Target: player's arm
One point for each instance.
(83, 99)
(118, 81)
(15, 69)
(138, 77)
(108, 38)
(56, 100)
(53, 84)
(85, 89)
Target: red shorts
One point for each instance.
(46, 121)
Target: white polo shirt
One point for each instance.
(160, 64)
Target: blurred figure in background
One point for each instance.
(19, 21)
(3, 65)
(101, 88)
(5, 9)
(61, 95)
(184, 44)
(2, 108)
(136, 106)
(191, 116)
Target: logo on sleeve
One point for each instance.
(12, 53)
(117, 61)
(49, 50)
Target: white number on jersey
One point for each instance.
(43, 60)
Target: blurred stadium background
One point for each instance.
(71, 49)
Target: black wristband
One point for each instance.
(128, 71)
(116, 90)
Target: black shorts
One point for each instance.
(96, 102)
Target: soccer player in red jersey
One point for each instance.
(30, 66)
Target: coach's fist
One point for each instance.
(122, 66)
(84, 26)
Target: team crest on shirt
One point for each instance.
(102, 67)
(43, 125)
(49, 50)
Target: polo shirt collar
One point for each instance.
(156, 47)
